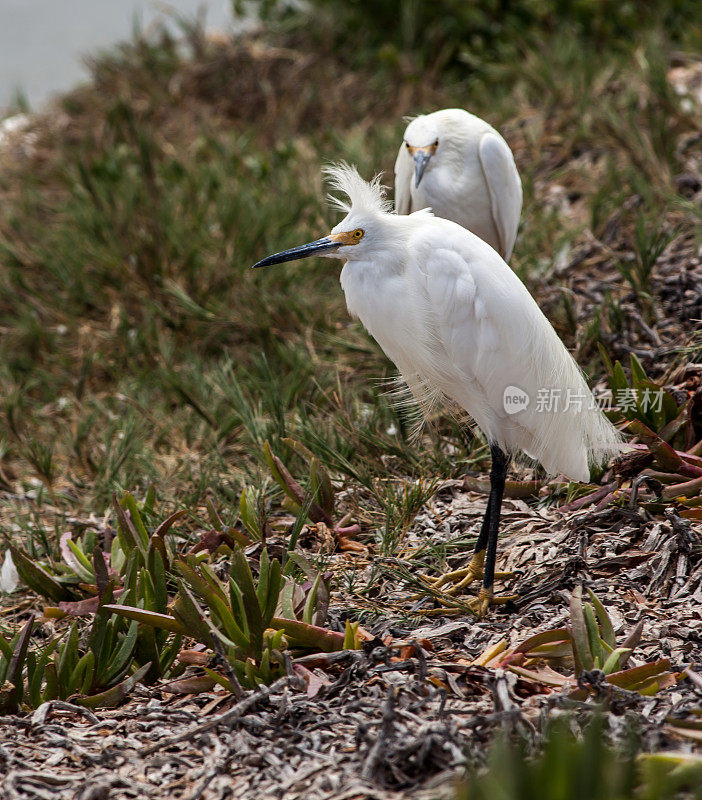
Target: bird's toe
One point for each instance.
(485, 599)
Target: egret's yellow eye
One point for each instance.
(436, 143)
(347, 237)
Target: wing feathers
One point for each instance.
(404, 172)
(504, 187)
(490, 335)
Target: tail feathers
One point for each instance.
(592, 442)
(569, 442)
(568, 432)
(573, 464)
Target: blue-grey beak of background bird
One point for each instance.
(323, 245)
(421, 159)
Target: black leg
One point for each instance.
(482, 565)
(485, 527)
(498, 473)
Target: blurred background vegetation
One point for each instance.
(136, 346)
(458, 35)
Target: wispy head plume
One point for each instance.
(362, 195)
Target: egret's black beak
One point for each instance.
(324, 245)
(421, 159)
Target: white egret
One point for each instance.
(459, 166)
(459, 324)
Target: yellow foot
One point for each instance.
(485, 599)
(460, 578)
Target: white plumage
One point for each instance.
(455, 319)
(459, 323)
(459, 166)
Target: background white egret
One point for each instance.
(459, 166)
(459, 324)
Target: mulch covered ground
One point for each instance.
(406, 714)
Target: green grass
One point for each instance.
(137, 346)
(588, 767)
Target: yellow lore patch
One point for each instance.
(428, 149)
(347, 237)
